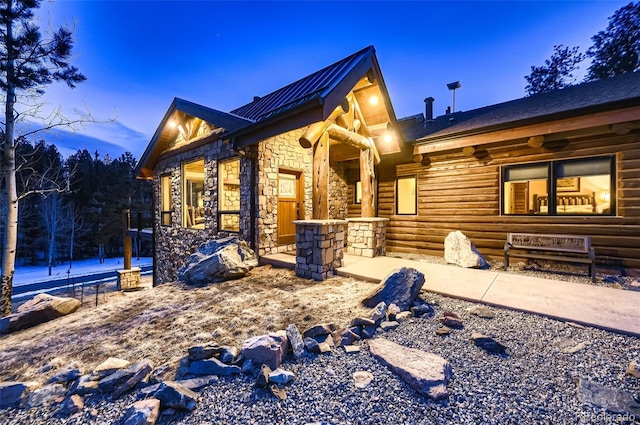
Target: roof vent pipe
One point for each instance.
(428, 108)
(256, 98)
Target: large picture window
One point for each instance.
(406, 195)
(193, 194)
(166, 203)
(571, 187)
(229, 195)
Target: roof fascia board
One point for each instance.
(546, 128)
(154, 140)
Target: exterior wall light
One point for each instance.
(373, 100)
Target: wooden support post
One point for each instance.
(536, 141)
(367, 180)
(126, 239)
(321, 178)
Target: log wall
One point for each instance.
(458, 192)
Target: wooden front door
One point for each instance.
(289, 205)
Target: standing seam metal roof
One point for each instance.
(303, 90)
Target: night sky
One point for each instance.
(139, 55)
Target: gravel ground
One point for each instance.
(534, 383)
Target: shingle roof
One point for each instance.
(306, 89)
(570, 101)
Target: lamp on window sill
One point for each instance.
(605, 197)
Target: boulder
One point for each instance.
(71, 405)
(143, 412)
(612, 399)
(140, 371)
(39, 309)
(295, 339)
(109, 366)
(459, 250)
(212, 366)
(52, 393)
(84, 385)
(281, 376)
(228, 355)
(344, 337)
(266, 349)
(218, 260)
(362, 378)
(65, 375)
(195, 384)
(11, 393)
(201, 352)
(427, 373)
(176, 396)
(318, 330)
(400, 287)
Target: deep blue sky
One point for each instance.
(139, 55)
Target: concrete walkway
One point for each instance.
(611, 309)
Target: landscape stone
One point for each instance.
(392, 311)
(295, 339)
(361, 321)
(262, 380)
(481, 311)
(202, 352)
(451, 322)
(325, 347)
(140, 371)
(195, 384)
(247, 366)
(389, 326)
(368, 331)
(312, 345)
(443, 331)
(460, 250)
(379, 312)
(40, 309)
(143, 412)
(612, 399)
(633, 370)
(400, 287)
(11, 393)
(84, 385)
(487, 343)
(362, 378)
(356, 330)
(351, 349)
(212, 366)
(266, 349)
(228, 354)
(281, 376)
(422, 310)
(575, 348)
(317, 330)
(345, 337)
(183, 368)
(279, 393)
(218, 260)
(109, 366)
(52, 393)
(403, 315)
(427, 373)
(176, 396)
(65, 375)
(71, 405)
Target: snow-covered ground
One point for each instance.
(31, 274)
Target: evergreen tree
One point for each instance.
(556, 72)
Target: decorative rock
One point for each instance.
(217, 261)
(312, 345)
(389, 326)
(422, 310)
(345, 337)
(213, 366)
(426, 373)
(324, 348)
(633, 370)
(481, 311)
(361, 321)
(295, 339)
(487, 343)
(279, 393)
(247, 366)
(228, 354)
(266, 349)
(11, 393)
(40, 309)
(54, 363)
(351, 349)
(195, 384)
(183, 368)
(451, 322)
(459, 250)
(65, 375)
(53, 393)
(368, 331)
(443, 331)
(262, 379)
(362, 379)
(143, 412)
(317, 330)
(392, 311)
(109, 366)
(400, 287)
(403, 315)
(176, 396)
(575, 348)
(613, 400)
(139, 371)
(71, 405)
(281, 376)
(576, 325)
(379, 312)
(202, 352)
(84, 385)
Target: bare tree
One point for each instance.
(28, 63)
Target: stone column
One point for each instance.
(366, 236)
(319, 247)
(129, 279)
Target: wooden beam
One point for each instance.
(315, 130)
(321, 178)
(367, 180)
(469, 150)
(418, 158)
(625, 127)
(364, 128)
(430, 145)
(354, 139)
(536, 141)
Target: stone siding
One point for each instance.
(129, 279)
(338, 192)
(320, 246)
(366, 237)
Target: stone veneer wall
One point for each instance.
(174, 243)
(338, 192)
(231, 193)
(320, 246)
(129, 279)
(366, 237)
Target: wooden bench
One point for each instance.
(548, 247)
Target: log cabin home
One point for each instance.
(328, 149)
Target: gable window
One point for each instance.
(570, 187)
(166, 203)
(193, 194)
(406, 195)
(229, 195)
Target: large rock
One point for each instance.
(39, 309)
(11, 393)
(52, 393)
(217, 261)
(459, 250)
(266, 349)
(426, 373)
(176, 396)
(212, 366)
(143, 412)
(400, 287)
(295, 339)
(613, 399)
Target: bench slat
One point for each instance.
(546, 242)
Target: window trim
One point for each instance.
(166, 213)
(414, 177)
(220, 212)
(552, 191)
(183, 187)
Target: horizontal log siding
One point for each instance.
(457, 192)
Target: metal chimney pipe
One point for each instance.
(428, 108)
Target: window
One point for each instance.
(358, 193)
(229, 195)
(571, 187)
(406, 195)
(166, 204)
(193, 194)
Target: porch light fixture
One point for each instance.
(374, 100)
(387, 137)
(172, 124)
